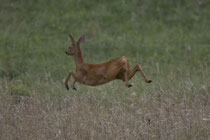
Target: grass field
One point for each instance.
(170, 39)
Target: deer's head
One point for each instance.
(74, 48)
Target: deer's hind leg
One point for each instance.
(126, 72)
(138, 68)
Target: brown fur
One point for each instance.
(98, 74)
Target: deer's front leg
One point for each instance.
(66, 81)
(78, 77)
(75, 75)
(73, 85)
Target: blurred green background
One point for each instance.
(165, 37)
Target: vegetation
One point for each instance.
(170, 39)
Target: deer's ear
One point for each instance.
(72, 39)
(81, 39)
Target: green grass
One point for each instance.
(170, 39)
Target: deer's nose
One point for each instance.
(66, 52)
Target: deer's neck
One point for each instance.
(78, 58)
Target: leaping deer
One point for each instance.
(98, 74)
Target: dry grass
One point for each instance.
(95, 115)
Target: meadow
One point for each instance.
(170, 39)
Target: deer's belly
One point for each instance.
(94, 81)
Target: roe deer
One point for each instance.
(98, 74)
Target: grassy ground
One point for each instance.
(170, 39)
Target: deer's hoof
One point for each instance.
(149, 81)
(73, 87)
(129, 85)
(67, 87)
